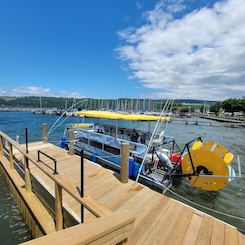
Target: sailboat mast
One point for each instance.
(41, 103)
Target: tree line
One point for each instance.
(229, 105)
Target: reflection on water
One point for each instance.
(230, 200)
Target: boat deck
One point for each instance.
(159, 219)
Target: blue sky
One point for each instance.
(88, 48)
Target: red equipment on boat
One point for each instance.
(175, 157)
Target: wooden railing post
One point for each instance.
(45, 133)
(1, 146)
(11, 157)
(58, 208)
(27, 175)
(124, 162)
(71, 137)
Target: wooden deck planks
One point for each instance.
(193, 229)
(241, 239)
(164, 224)
(231, 235)
(218, 235)
(159, 219)
(146, 219)
(181, 227)
(205, 231)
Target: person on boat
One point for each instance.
(122, 132)
(142, 138)
(134, 136)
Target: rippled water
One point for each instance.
(12, 227)
(230, 200)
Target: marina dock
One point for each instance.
(114, 212)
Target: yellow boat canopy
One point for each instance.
(120, 116)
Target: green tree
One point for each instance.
(216, 107)
(232, 105)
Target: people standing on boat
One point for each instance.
(122, 133)
(134, 136)
(142, 138)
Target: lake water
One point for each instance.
(230, 200)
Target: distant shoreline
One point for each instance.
(17, 109)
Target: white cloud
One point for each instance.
(38, 91)
(70, 94)
(201, 55)
(2, 92)
(30, 91)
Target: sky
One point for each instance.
(187, 49)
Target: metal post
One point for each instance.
(26, 140)
(55, 167)
(82, 185)
(38, 155)
(45, 133)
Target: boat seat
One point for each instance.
(196, 145)
(228, 157)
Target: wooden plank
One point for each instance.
(45, 133)
(241, 238)
(193, 229)
(28, 185)
(102, 231)
(180, 227)
(149, 224)
(218, 235)
(124, 162)
(231, 235)
(58, 208)
(205, 231)
(11, 157)
(161, 232)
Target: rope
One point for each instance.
(204, 207)
(51, 130)
(158, 125)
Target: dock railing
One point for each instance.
(60, 184)
(113, 229)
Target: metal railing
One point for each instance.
(51, 158)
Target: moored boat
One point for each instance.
(207, 165)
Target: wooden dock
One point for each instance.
(159, 219)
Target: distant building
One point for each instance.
(221, 112)
(206, 108)
(228, 114)
(238, 113)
